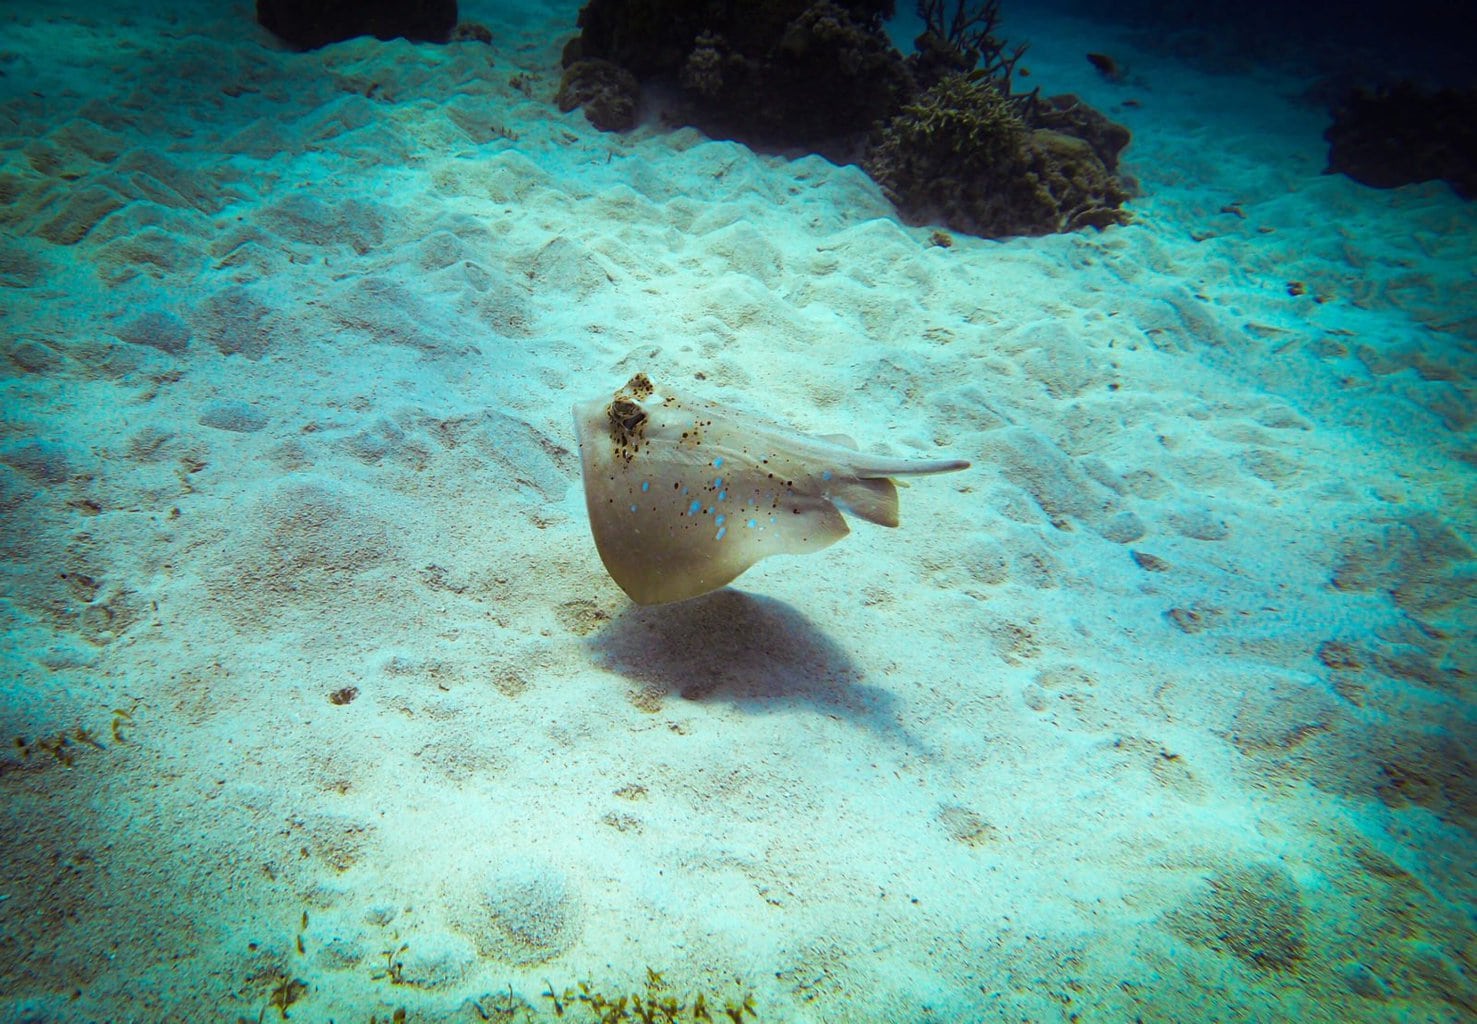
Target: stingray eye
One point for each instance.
(626, 415)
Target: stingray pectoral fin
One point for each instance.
(872, 499)
(655, 565)
(801, 527)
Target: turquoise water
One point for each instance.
(320, 704)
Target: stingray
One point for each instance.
(684, 494)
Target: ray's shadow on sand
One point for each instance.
(757, 652)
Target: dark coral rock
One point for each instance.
(308, 24)
(647, 37)
(471, 32)
(1072, 187)
(1403, 135)
(962, 155)
(831, 75)
(770, 72)
(1070, 116)
(608, 92)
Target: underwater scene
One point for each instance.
(819, 511)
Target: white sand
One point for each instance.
(1162, 711)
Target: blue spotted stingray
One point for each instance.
(684, 495)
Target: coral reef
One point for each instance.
(971, 153)
(608, 92)
(1070, 116)
(1402, 135)
(963, 156)
(943, 131)
(960, 42)
(766, 72)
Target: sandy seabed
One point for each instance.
(1162, 711)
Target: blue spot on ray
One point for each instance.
(694, 508)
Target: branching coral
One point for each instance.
(962, 155)
(967, 40)
(964, 117)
